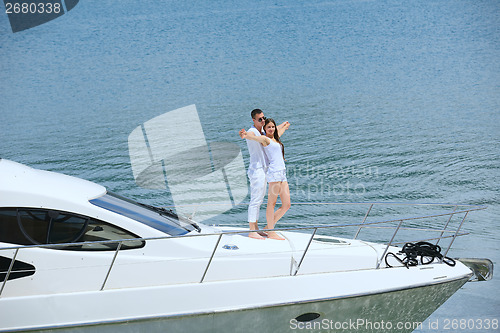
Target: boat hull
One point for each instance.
(395, 311)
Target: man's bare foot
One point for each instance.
(274, 235)
(262, 233)
(255, 235)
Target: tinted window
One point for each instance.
(167, 222)
(27, 226)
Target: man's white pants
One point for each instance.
(258, 186)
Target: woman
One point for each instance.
(276, 174)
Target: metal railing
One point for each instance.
(453, 234)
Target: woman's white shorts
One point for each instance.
(276, 176)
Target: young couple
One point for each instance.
(267, 161)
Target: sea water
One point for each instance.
(389, 101)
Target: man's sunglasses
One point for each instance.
(261, 119)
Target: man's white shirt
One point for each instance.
(258, 158)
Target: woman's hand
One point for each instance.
(262, 139)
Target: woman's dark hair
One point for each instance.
(276, 136)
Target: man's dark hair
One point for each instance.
(256, 112)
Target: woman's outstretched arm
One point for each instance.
(263, 140)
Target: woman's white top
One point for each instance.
(275, 156)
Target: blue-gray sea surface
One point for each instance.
(389, 101)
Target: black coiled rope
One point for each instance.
(426, 251)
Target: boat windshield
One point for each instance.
(158, 218)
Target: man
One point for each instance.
(257, 169)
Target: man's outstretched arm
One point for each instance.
(283, 127)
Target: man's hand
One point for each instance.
(283, 127)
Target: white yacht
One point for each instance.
(75, 257)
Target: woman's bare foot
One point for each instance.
(274, 235)
(255, 235)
